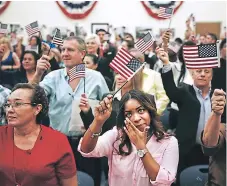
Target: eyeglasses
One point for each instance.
(16, 105)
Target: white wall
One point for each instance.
(127, 13)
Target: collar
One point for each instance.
(65, 73)
(197, 90)
(118, 95)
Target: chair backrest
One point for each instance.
(84, 179)
(194, 176)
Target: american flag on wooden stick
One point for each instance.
(3, 28)
(57, 39)
(145, 42)
(77, 72)
(165, 12)
(201, 56)
(32, 28)
(125, 64)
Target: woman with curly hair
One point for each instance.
(139, 151)
(32, 154)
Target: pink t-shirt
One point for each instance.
(129, 170)
(50, 159)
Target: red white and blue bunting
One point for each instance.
(152, 7)
(3, 6)
(76, 9)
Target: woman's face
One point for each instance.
(33, 41)
(29, 62)
(22, 112)
(5, 47)
(90, 63)
(92, 46)
(137, 114)
(121, 80)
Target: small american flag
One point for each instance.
(125, 64)
(77, 72)
(145, 43)
(165, 12)
(32, 28)
(3, 28)
(57, 38)
(201, 56)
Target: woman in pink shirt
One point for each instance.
(139, 152)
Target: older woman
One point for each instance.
(32, 154)
(92, 44)
(10, 60)
(138, 150)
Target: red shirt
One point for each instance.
(49, 160)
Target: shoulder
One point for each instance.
(5, 130)
(54, 74)
(53, 134)
(93, 73)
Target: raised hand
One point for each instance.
(138, 138)
(166, 37)
(42, 64)
(103, 111)
(162, 55)
(84, 105)
(218, 101)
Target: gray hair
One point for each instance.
(93, 37)
(81, 46)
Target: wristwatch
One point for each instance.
(141, 153)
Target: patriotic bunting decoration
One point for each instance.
(125, 64)
(76, 9)
(201, 56)
(77, 72)
(145, 43)
(3, 6)
(152, 7)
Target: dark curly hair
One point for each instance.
(38, 97)
(35, 56)
(147, 101)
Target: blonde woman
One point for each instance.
(10, 60)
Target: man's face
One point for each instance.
(202, 39)
(101, 35)
(209, 39)
(71, 55)
(202, 77)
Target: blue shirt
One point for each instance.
(205, 110)
(61, 95)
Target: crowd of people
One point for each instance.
(54, 125)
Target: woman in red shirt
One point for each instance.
(32, 154)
